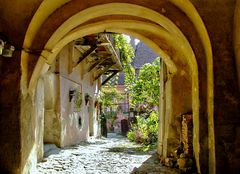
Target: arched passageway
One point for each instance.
(159, 31)
(173, 29)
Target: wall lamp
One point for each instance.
(6, 49)
(72, 93)
(87, 98)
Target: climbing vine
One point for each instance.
(126, 56)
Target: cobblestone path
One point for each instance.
(113, 155)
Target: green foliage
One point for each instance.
(111, 115)
(109, 98)
(145, 90)
(131, 135)
(126, 57)
(109, 95)
(145, 130)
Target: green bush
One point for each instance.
(131, 135)
(145, 130)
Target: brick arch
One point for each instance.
(63, 33)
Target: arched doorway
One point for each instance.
(148, 22)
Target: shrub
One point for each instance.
(131, 135)
(145, 130)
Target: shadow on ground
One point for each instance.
(131, 150)
(153, 166)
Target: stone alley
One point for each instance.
(112, 155)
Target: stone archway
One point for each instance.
(150, 21)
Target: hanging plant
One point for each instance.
(78, 101)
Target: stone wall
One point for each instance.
(218, 18)
(10, 143)
(177, 90)
(187, 134)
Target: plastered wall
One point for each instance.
(71, 131)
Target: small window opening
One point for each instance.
(79, 122)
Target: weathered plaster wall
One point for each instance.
(178, 101)
(17, 120)
(52, 125)
(177, 89)
(236, 38)
(218, 18)
(35, 140)
(39, 108)
(71, 133)
(10, 114)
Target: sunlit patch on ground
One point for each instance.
(113, 155)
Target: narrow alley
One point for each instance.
(112, 155)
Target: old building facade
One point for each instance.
(198, 41)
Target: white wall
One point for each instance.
(71, 133)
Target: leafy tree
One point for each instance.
(109, 95)
(145, 90)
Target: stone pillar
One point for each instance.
(52, 122)
(10, 153)
(39, 107)
(168, 138)
(218, 18)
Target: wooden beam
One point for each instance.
(70, 57)
(101, 54)
(103, 43)
(95, 64)
(87, 53)
(111, 76)
(105, 70)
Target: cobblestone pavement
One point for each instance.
(113, 155)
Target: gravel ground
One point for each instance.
(112, 155)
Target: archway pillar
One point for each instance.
(162, 110)
(10, 105)
(167, 138)
(236, 37)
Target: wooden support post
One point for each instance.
(70, 57)
(161, 122)
(81, 71)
